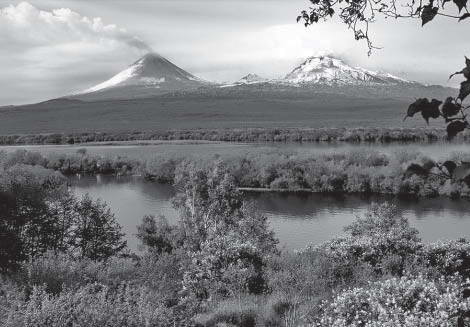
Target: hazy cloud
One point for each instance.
(26, 25)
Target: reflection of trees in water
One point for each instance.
(422, 208)
(292, 205)
(314, 205)
(145, 189)
(308, 204)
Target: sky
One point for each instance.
(51, 48)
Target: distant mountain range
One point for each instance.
(154, 94)
(153, 75)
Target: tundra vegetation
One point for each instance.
(64, 262)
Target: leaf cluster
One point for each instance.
(453, 110)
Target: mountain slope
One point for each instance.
(333, 71)
(151, 75)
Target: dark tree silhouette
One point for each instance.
(96, 233)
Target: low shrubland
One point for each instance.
(218, 266)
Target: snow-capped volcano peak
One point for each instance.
(330, 70)
(150, 71)
(252, 78)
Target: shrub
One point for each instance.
(381, 236)
(92, 305)
(156, 234)
(448, 257)
(58, 271)
(405, 301)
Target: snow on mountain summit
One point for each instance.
(150, 71)
(329, 70)
(252, 78)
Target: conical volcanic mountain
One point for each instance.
(334, 71)
(151, 75)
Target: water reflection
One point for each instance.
(297, 219)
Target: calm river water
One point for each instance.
(297, 219)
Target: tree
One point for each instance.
(225, 241)
(96, 234)
(27, 226)
(359, 14)
(210, 204)
(38, 214)
(157, 235)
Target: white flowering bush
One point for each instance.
(397, 302)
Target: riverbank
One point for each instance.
(356, 171)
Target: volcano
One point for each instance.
(151, 75)
(328, 70)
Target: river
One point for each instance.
(297, 219)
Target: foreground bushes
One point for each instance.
(394, 281)
(220, 264)
(91, 305)
(406, 301)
